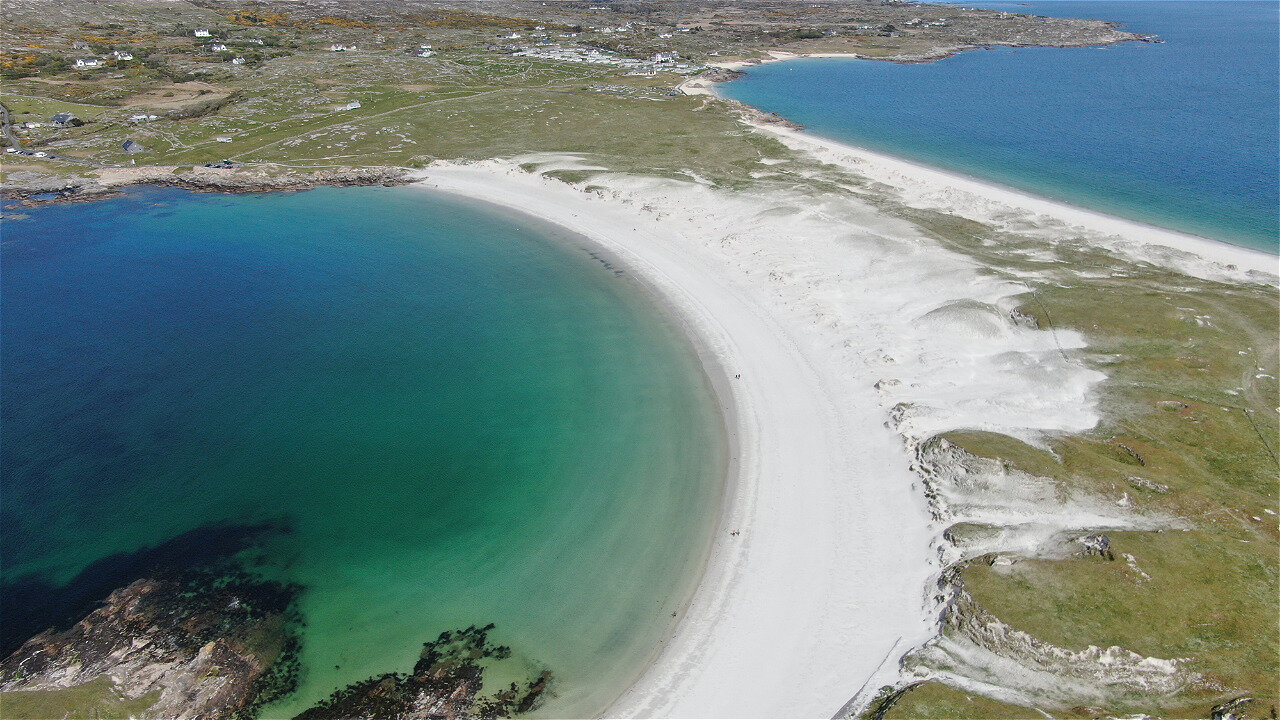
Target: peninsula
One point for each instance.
(962, 483)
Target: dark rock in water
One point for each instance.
(204, 644)
(719, 75)
(198, 638)
(31, 604)
(444, 684)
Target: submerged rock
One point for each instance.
(445, 684)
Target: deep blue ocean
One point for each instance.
(1181, 134)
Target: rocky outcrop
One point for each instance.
(444, 685)
(39, 190)
(206, 644)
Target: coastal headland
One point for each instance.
(962, 482)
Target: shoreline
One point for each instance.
(110, 182)
(1132, 234)
(722, 658)
(924, 185)
(715, 373)
(782, 602)
(809, 531)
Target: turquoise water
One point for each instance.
(1182, 134)
(451, 417)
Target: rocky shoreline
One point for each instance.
(223, 644)
(36, 190)
(445, 685)
(202, 644)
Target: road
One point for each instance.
(8, 129)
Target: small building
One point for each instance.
(65, 120)
(88, 63)
(143, 117)
(254, 41)
(202, 33)
(223, 138)
(122, 55)
(425, 52)
(237, 61)
(131, 146)
(338, 47)
(353, 105)
(217, 47)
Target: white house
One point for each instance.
(122, 55)
(341, 48)
(202, 33)
(254, 41)
(223, 138)
(237, 61)
(353, 105)
(88, 62)
(217, 47)
(425, 52)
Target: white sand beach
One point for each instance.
(920, 185)
(827, 575)
(988, 202)
(855, 339)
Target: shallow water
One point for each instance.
(452, 416)
(1182, 134)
